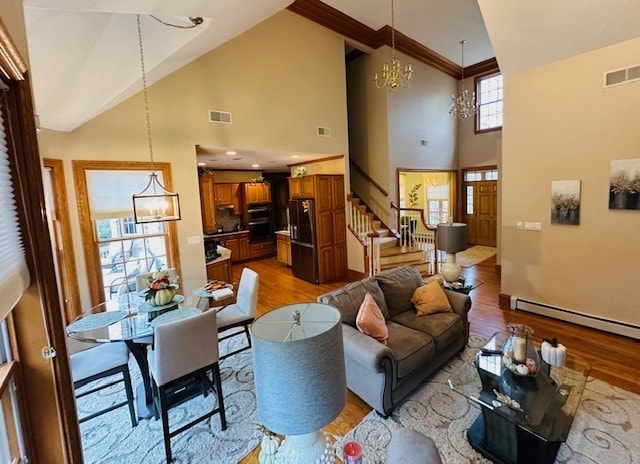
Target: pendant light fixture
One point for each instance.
(155, 203)
(462, 106)
(393, 76)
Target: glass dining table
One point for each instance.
(130, 320)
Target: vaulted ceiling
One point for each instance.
(84, 54)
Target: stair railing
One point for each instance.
(413, 232)
(359, 221)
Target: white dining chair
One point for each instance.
(242, 312)
(185, 349)
(104, 360)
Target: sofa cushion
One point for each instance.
(430, 299)
(444, 328)
(398, 285)
(410, 347)
(370, 320)
(348, 299)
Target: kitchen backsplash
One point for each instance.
(227, 220)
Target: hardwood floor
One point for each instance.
(613, 358)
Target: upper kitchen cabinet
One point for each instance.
(229, 195)
(301, 187)
(207, 205)
(224, 195)
(257, 192)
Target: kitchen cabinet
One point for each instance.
(302, 187)
(236, 199)
(238, 243)
(220, 270)
(260, 249)
(257, 192)
(207, 205)
(283, 247)
(223, 195)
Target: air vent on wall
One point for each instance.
(424, 143)
(324, 131)
(622, 76)
(219, 117)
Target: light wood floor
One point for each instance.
(613, 358)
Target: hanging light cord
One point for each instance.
(393, 33)
(462, 42)
(146, 97)
(195, 22)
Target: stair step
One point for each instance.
(407, 258)
(382, 232)
(387, 242)
(419, 265)
(399, 250)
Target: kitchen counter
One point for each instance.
(284, 232)
(224, 253)
(227, 234)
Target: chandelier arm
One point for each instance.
(195, 22)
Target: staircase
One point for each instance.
(387, 248)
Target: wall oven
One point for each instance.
(260, 230)
(259, 212)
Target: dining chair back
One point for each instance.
(242, 312)
(103, 360)
(183, 350)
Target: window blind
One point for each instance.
(110, 192)
(14, 278)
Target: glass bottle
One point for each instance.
(519, 353)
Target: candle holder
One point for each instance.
(519, 354)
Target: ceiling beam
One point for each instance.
(333, 19)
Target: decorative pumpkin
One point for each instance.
(161, 297)
(268, 446)
(553, 352)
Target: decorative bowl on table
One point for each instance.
(161, 291)
(519, 354)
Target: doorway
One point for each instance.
(480, 205)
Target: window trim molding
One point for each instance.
(87, 231)
(476, 84)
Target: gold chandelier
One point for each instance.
(393, 75)
(462, 106)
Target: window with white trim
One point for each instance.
(489, 92)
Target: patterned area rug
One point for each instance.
(606, 427)
(474, 255)
(111, 439)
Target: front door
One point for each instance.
(481, 207)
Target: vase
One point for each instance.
(519, 353)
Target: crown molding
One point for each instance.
(333, 19)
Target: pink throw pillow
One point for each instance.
(370, 320)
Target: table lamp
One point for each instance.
(298, 362)
(452, 238)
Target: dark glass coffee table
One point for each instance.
(532, 427)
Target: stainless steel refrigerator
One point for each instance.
(302, 226)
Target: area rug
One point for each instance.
(474, 255)
(110, 438)
(606, 427)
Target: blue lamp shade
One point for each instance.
(298, 368)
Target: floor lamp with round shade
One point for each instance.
(452, 238)
(298, 363)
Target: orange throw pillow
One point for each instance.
(370, 320)
(430, 299)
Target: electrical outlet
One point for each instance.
(519, 225)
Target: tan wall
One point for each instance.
(561, 124)
(386, 127)
(236, 176)
(332, 166)
(477, 149)
(276, 90)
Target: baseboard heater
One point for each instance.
(569, 315)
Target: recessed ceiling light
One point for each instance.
(231, 153)
(202, 164)
(255, 165)
(295, 156)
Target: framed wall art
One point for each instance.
(624, 184)
(565, 202)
